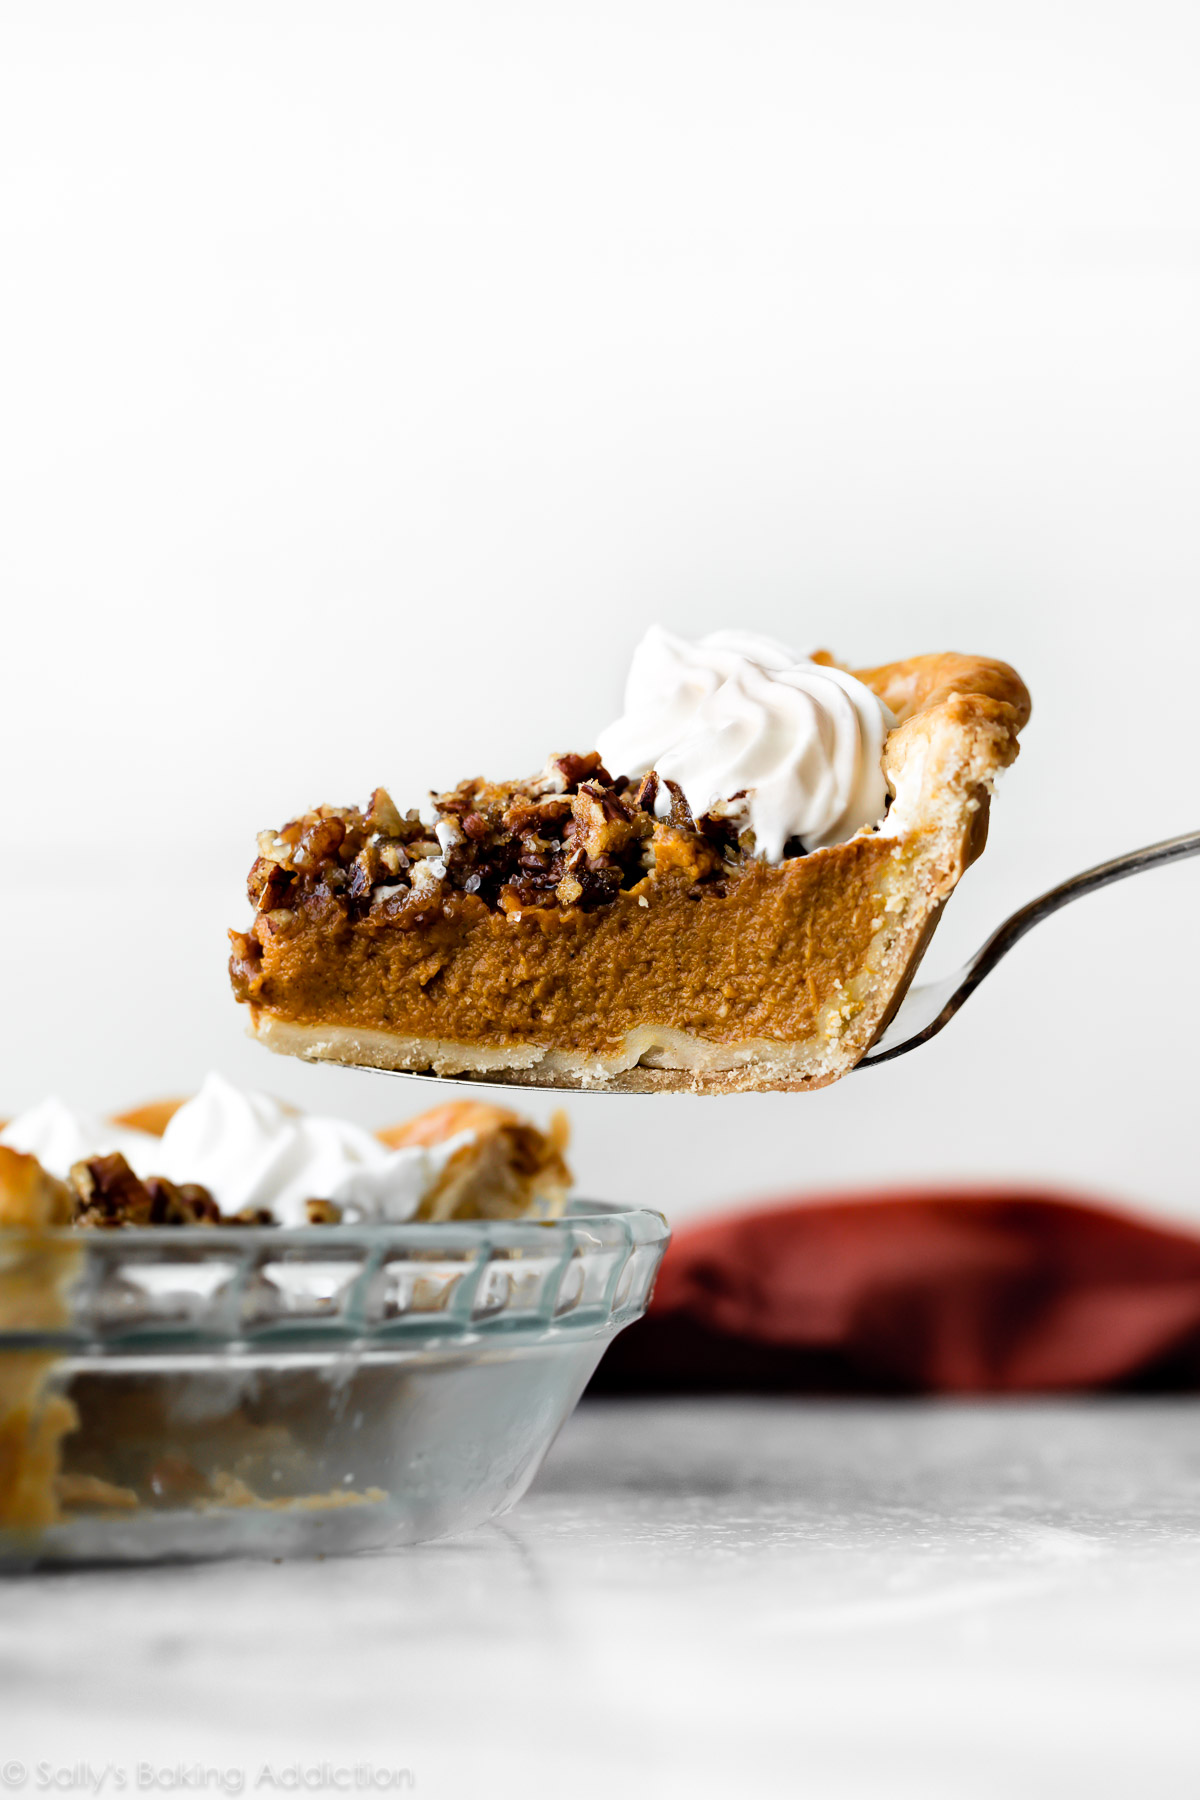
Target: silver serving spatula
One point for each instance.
(926, 1010)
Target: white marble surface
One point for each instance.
(738, 1597)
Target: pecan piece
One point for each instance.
(599, 887)
(562, 773)
(276, 923)
(531, 815)
(680, 815)
(245, 964)
(184, 1204)
(569, 890)
(394, 856)
(576, 769)
(250, 1215)
(320, 842)
(109, 1193)
(647, 792)
(383, 816)
(277, 846)
(603, 823)
(269, 885)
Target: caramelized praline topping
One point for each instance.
(574, 836)
(106, 1195)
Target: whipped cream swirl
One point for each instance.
(248, 1149)
(740, 721)
(59, 1137)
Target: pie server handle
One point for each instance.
(926, 1010)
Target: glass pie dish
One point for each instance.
(205, 1391)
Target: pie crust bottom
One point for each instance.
(652, 1059)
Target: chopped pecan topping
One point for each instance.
(570, 837)
(604, 825)
(383, 817)
(680, 815)
(569, 891)
(245, 964)
(320, 841)
(108, 1194)
(278, 921)
(269, 884)
(394, 856)
(535, 815)
(576, 769)
(367, 869)
(186, 1204)
(647, 792)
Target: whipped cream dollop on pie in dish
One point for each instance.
(730, 891)
(232, 1157)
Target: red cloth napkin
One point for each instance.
(992, 1291)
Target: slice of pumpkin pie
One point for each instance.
(730, 892)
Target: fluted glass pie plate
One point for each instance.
(262, 1391)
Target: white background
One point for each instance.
(374, 373)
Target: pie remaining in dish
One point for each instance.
(263, 1164)
(227, 1157)
(727, 914)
